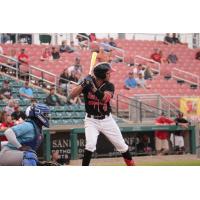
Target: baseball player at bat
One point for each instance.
(98, 92)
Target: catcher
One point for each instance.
(25, 138)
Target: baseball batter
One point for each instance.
(98, 92)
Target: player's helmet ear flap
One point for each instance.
(39, 111)
(101, 69)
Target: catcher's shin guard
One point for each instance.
(128, 158)
(86, 158)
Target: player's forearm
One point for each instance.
(11, 137)
(76, 91)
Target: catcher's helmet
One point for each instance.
(101, 69)
(39, 111)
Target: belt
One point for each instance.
(97, 116)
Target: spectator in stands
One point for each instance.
(58, 159)
(65, 48)
(18, 116)
(72, 46)
(130, 82)
(13, 55)
(6, 121)
(64, 79)
(10, 107)
(75, 77)
(177, 138)
(106, 46)
(175, 39)
(197, 56)
(55, 53)
(141, 82)
(82, 40)
(13, 62)
(92, 37)
(46, 55)
(112, 42)
(102, 56)
(55, 157)
(52, 99)
(76, 68)
(5, 91)
(161, 136)
(167, 39)
(23, 58)
(172, 58)
(157, 56)
(141, 69)
(26, 92)
(148, 74)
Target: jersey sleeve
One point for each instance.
(111, 88)
(23, 128)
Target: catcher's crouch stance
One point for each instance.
(25, 138)
(98, 92)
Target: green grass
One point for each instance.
(161, 163)
(172, 163)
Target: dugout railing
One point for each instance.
(145, 107)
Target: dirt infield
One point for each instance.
(169, 160)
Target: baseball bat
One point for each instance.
(92, 63)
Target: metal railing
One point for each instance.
(158, 102)
(120, 50)
(34, 74)
(185, 76)
(137, 57)
(140, 110)
(173, 108)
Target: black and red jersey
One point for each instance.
(93, 105)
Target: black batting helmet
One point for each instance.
(101, 69)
